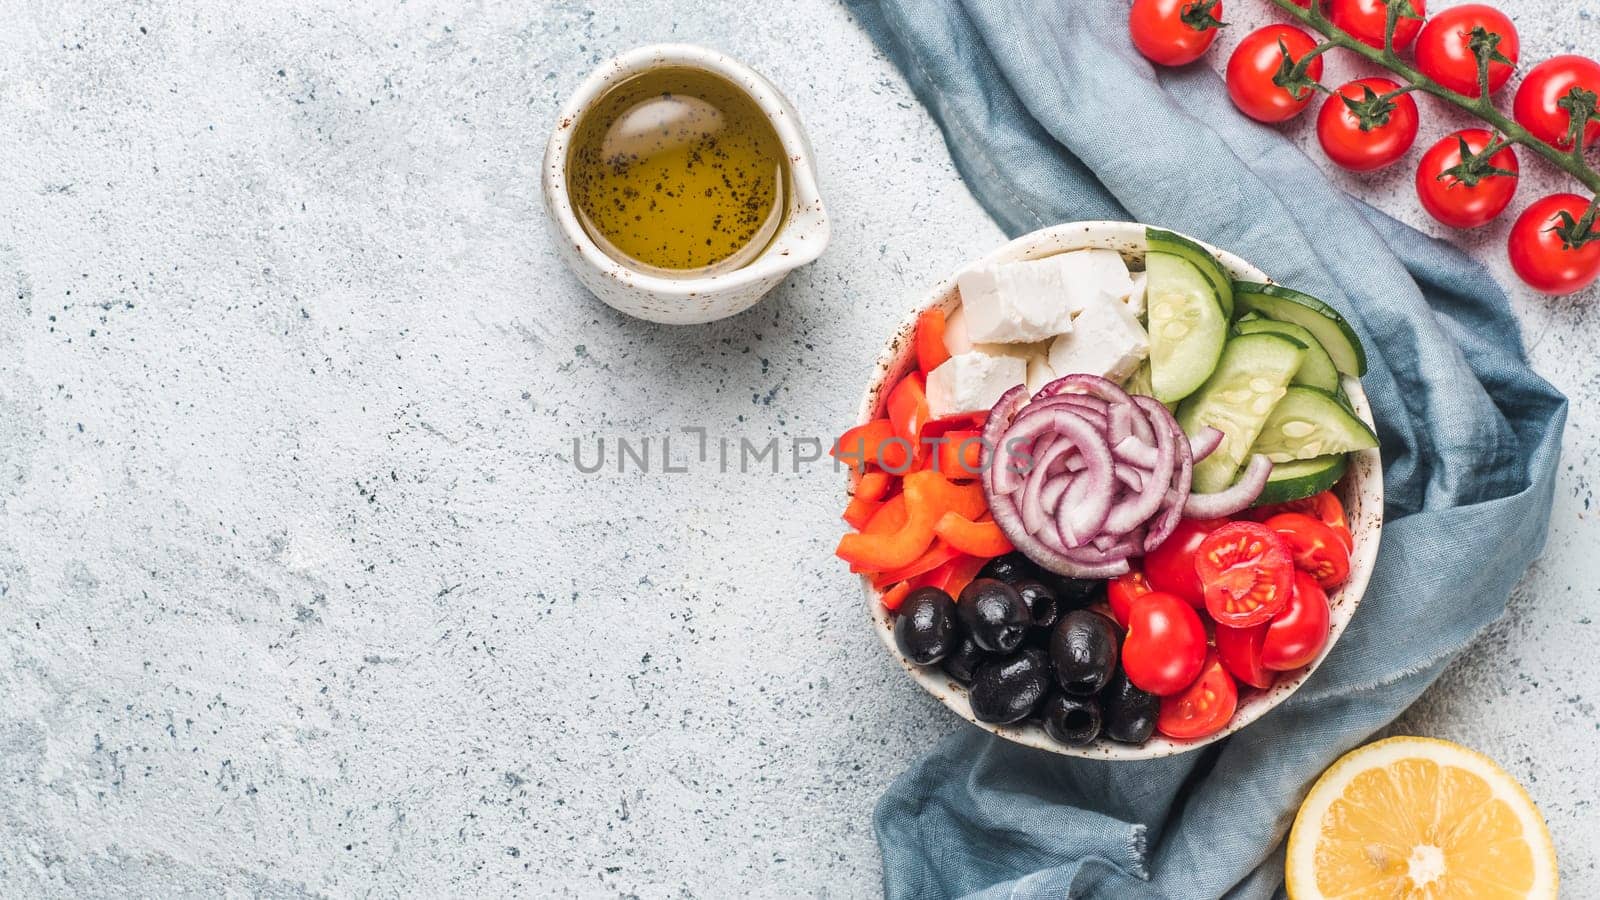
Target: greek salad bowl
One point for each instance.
(1358, 487)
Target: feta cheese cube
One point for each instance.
(1135, 299)
(1034, 300)
(955, 332)
(1039, 373)
(972, 381)
(1106, 340)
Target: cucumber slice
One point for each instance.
(1316, 370)
(1302, 478)
(1187, 327)
(1176, 244)
(1251, 377)
(1323, 321)
(1308, 423)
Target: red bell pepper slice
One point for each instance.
(873, 485)
(928, 495)
(960, 455)
(874, 443)
(976, 538)
(908, 409)
(893, 597)
(935, 556)
(970, 421)
(959, 572)
(931, 352)
(859, 511)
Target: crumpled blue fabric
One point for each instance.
(1052, 116)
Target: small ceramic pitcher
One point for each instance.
(682, 301)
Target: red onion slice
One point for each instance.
(1205, 443)
(1171, 509)
(1132, 450)
(1089, 385)
(1238, 497)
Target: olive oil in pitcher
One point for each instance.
(677, 172)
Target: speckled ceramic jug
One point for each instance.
(684, 301)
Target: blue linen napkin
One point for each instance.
(1051, 116)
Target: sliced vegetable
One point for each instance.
(1302, 478)
(927, 497)
(895, 596)
(874, 443)
(1316, 369)
(1275, 301)
(873, 485)
(859, 511)
(976, 538)
(1249, 381)
(1247, 574)
(1308, 423)
(1233, 499)
(1239, 650)
(1187, 325)
(1316, 548)
(908, 409)
(1176, 244)
(960, 454)
(1203, 708)
(931, 351)
(937, 554)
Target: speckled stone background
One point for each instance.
(300, 591)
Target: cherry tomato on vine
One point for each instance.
(1257, 72)
(1203, 708)
(1537, 106)
(1547, 250)
(1445, 52)
(1295, 636)
(1122, 590)
(1459, 187)
(1247, 573)
(1363, 127)
(1174, 32)
(1366, 19)
(1314, 547)
(1170, 567)
(1165, 646)
(1239, 649)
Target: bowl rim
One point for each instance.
(1362, 482)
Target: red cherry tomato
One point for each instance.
(1247, 573)
(1324, 507)
(1165, 646)
(1295, 636)
(1170, 567)
(1315, 547)
(1174, 32)
(1366, 19)
(1537, 104)
(1466, 197)
(1254, 64)
(1203, 708)
(1122, 591)
(1239, 649)
(1542, 257)
(1371, 134)
(1444, 47)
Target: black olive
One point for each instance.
(964, 660)
(1011, 568)
(1075, 593)
(1073, 721)
(1008, 688)
(1041, 603)
(994, 614)
(1084, 648)
(926, 628)
(1130, 713)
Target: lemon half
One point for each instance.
(1418, 818)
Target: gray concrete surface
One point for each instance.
(299, 590)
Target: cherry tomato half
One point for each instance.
(1122, 590)
(1247, 573)
(1315, 547)
(1542, 257)
(1165, 646)
(1203, 708)
(1444, 47)
(1295, 636)
(1324, 507)
(1174, 32)
(1239, 649)
(1254, 63)
(1366, 19)
(1537, 104)
(1365, 140)
(1170, 567)
(1481, 196)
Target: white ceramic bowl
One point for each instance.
(1361, 490)
(686, 301)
